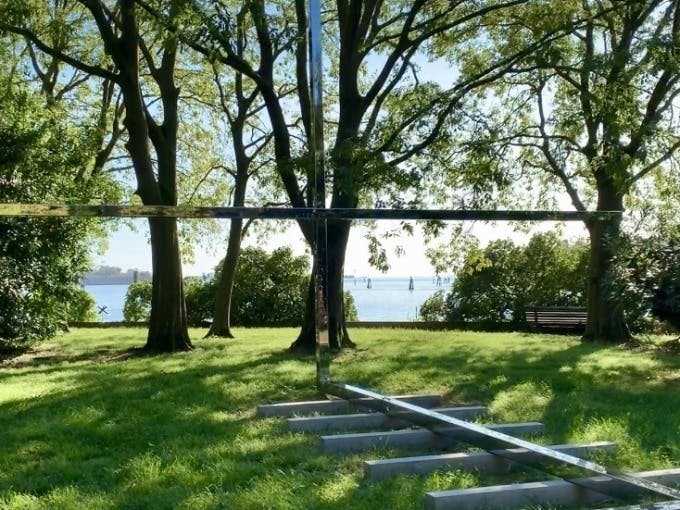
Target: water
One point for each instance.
(110, 296)
(388, 299)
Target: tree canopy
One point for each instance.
(541, 101)
(41, 259)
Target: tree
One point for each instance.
(369, 152)
(92, 103)
(602, 119)
(242, 117)
(123, 42)
(41, 259)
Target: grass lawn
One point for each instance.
(82, 426)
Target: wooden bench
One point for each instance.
(557, 318)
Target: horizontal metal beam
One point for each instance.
(294, 213)
(488, 439)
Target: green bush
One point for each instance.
(137, 306)
(646, 278)
(434, 308)
(497, 283)
(351, 313)
(200, 300)
(269, 290)
(82, 306)
(41, 259)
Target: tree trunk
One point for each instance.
(306, 340)
(338, 235)
(168, 329)
(606, 320)
(221, 325)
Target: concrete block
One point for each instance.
(363, 421)
(335, 406)
(553, 492)
(415, 439)
(665, 505)
(477, 461)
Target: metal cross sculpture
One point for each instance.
(320, 237)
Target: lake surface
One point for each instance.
(386, 299)
(110, 296)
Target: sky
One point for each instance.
(131, 250)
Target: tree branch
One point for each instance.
(556, 168)
(654, 164)
(42, 46)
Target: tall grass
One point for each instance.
(85, 425)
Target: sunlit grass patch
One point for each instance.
(526, 401)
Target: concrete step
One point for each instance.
(415, 439)
(362, 421)
(553, 492)
(336, 406)
(477, 461)
(665, 505)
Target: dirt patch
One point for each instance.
(134, 352)
(8, 356)
(671, 380)
(641, 345)
(671, 346)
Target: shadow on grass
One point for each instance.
(154, 431)
(10, 352)
(175, 431)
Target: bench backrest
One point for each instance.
(556, 315)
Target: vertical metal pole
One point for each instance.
(320, 238)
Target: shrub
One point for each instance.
(351, 313)
(497, 283)
(434, 308)
(647, 278)
(41, 259)
(137, 306)
(82, 306)
(200, 300)
(269, 290)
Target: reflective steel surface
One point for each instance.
(321, 232)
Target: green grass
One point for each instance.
(82, 426)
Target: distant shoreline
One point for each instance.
(107, 282)
(125, 279)
(112, 280)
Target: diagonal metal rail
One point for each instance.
(666, 505)
(489, 439)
